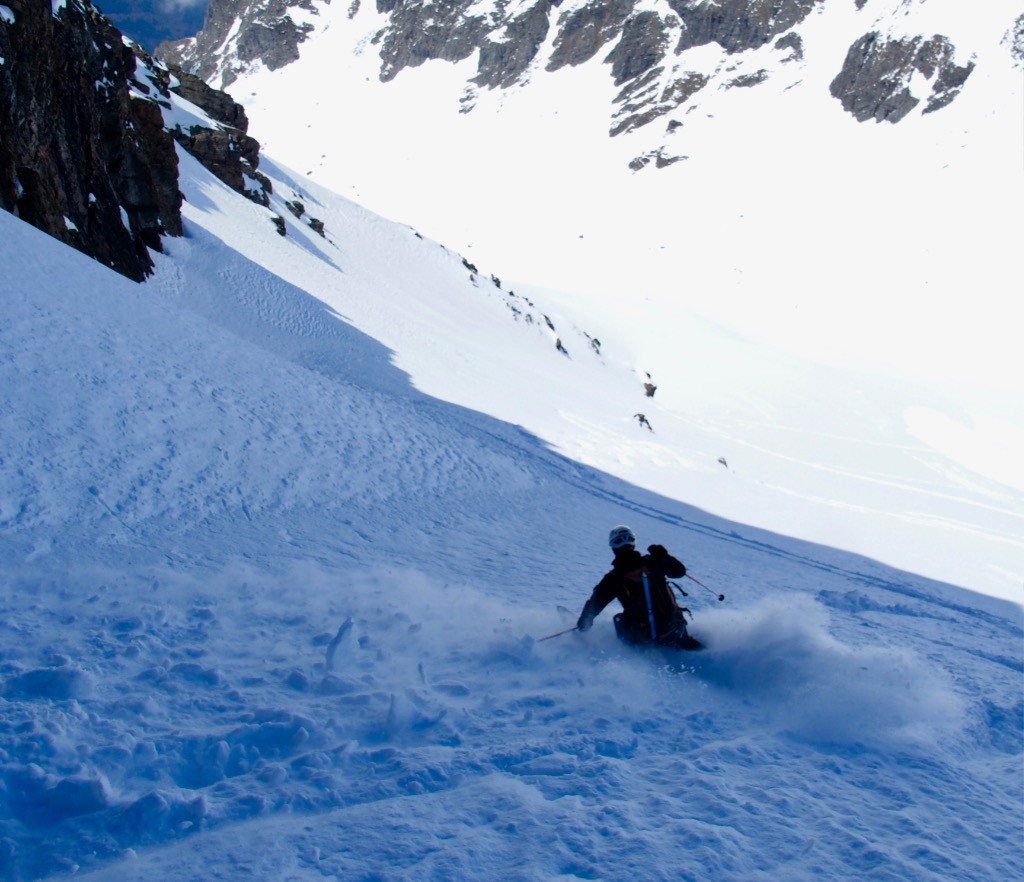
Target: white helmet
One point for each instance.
(620, 537)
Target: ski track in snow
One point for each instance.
(269, 612)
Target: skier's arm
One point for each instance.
(661, 562)
(599, 599)
(588, 615)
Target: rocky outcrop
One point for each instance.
(582, 33)
(502, 62)
(738, 25)
(660, 56)
(876, 77)
(84, 155)
(219, 105)
(226, 150)
(794, 42)
(648, 98)
(263, 31)
(1015, 40)
(420, 32)
(641, 47)
(87, 153)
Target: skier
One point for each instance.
(650, 614)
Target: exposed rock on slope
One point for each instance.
(875, 80)
(263, 30)
(1014, 39)
(84, 155)
(582, 33)
(87, 153)
(504, 61)
(662, 55)
(738, 25)
(225, 149)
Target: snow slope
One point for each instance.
(858, 244)
(828, 308)
(849, 459)
(270, 611)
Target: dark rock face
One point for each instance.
(420, 32)
(84, 155)
(266, 32)
(501, 64)
(277, 44)
(641, 102)
(644, 100)
(1015, 40)
(221, 106)
(583, 32)
(747, 81)
(227, 151)
(874, 81)
(641, 47)
(793, 42)
(230, 156)
(738, 25)
(936, 56)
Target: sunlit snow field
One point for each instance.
(827, 305)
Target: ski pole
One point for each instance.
(650, 609)
(705, 587)
(559, 634)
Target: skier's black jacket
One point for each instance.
(624, 582)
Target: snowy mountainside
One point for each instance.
(646, 47)
(739, 429)
(881, 246)
(736, 428)
(270, 612)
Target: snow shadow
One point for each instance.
(780, 654)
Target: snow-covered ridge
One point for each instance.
(666, 57)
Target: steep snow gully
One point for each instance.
(267, 611)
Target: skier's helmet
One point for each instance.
(620, 537)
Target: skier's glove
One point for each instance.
(586, 618)
(657, 551)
